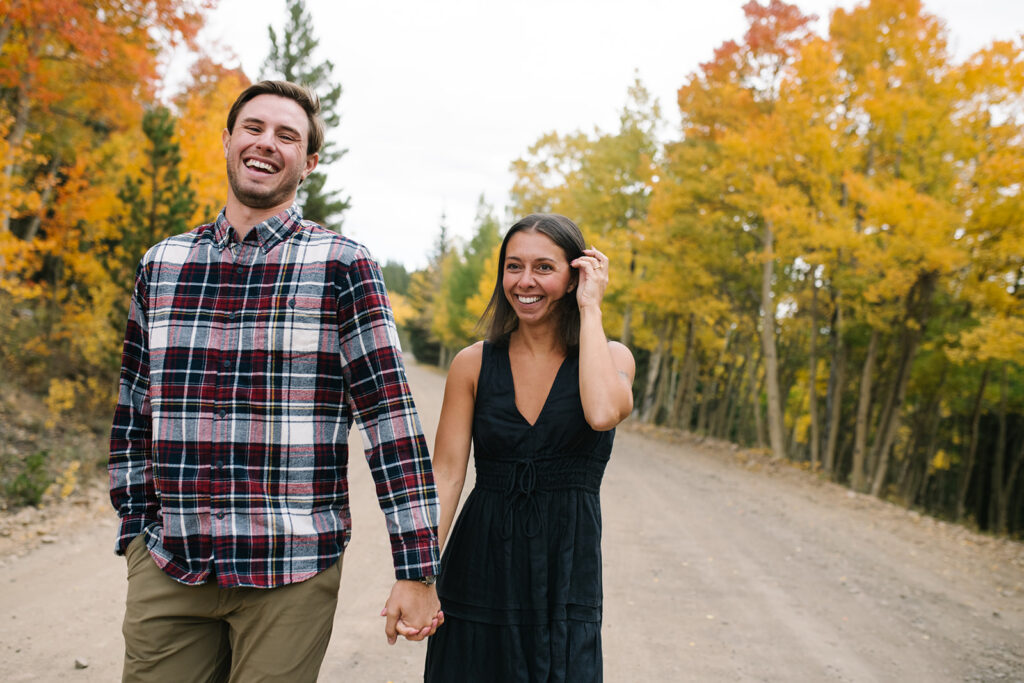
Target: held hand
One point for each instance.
(412, 611)
(593, 279)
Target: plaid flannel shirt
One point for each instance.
(245, 360)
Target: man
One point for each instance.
(252, 342)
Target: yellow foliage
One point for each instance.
(60, 399)
(201, 120)
(68, 479)
(998, 338)
(941, 461)
(402, 308)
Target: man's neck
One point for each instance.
(243, 217)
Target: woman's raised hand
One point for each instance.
(593, 277)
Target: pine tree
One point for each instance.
(291, 59)
(427, 298)
(158, 203)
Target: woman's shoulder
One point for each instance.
(467, 362)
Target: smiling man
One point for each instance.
(252, 344)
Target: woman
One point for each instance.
(520, 584)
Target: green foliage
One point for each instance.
(29, 482)
(424, 298)
(158, 203)
(396, 278)
(292, 59)
(463, 269)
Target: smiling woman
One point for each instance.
(520, 581)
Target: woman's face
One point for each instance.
(535, 275)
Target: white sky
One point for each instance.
(441, 96)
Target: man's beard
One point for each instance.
(261, 199)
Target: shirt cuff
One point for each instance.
(416, 555)
(131, 526)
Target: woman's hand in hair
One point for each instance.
(593, 277)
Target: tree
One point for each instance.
(158, 202)
(603, 182)
(426, 299)
(75, 77)
(76, 69)
(202, 107)
(292, 59)
(463, 270)
(396, 278)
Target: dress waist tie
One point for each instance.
(522, 483)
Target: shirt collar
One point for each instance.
(269, 233)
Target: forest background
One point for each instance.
(824, 261)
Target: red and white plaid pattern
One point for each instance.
(245, 361)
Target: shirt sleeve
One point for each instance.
(132, 489)
(380, 399)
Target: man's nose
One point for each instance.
(266, 140)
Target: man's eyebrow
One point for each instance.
(254, 119)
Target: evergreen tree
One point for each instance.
(396, 277)
(427, 298)
(158, 203)
(291, 59)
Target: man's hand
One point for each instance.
(412, 610)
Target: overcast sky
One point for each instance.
(441, 96)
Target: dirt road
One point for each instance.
(719, 566)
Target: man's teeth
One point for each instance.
(254, 163)
(528, 299)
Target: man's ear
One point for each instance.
(311, 162)
(225, 138)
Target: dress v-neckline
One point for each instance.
(547, 398)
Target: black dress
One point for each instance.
(520, 580)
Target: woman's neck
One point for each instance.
(537, 341)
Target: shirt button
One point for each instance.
(220, 515)
(239, 269)
(221, 412)
(220, 464)
(232, 315)
(225, 364)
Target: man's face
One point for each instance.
(266, 152)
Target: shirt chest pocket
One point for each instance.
(301, 329)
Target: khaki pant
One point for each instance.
(178, 633)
